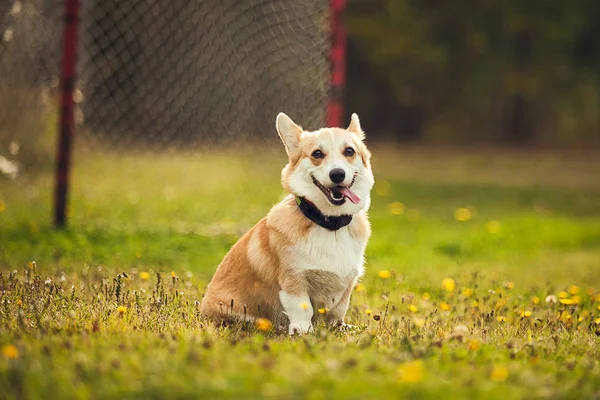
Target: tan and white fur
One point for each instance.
(287, 267)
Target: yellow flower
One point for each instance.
(499, 373)
(368, 311)
(448, 284)
(426, 296)
(573, 289)
(323, 310)
(121, 310)
(509, 285)
(576, 299)
(360, 287)
(382, 188)
(144, 276)
(384, 274)
(500, 318)
(412, 308)
(411, 372)
(493, 227)
(304, 306)
(565, 316)
(474, 344)
(173, 274)
(396, 208)
(10, 351)
(467, 292)
(535, 300)
(463, 214)
(598, 297)
(525, 314)
(263, 324)
(597, 321)
(474, 303)
(444, 306)
(563, 295)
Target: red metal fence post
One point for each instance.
(335, 106)
(66, 127)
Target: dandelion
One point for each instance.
(360, 287)
(263, 324)
(411, 372)
(173, 275)
(9, 351)
(396, 208)
(412, 308)
(573, 289)
(368, 311)
(323, 310)
(563, 295)
(551, 299)
(474, 344)
(598, 297)
(121, 310)
(525, 314)
(474, 303)
(467, 292)
(500, 318)
(535, 300)
(597, 321)
(384, 274)
(493, 227)
(144, 276)
(463, 214)
(509, 285)
(426, 296)
(448, 284)
(565, 316)
(445, 306)
(499, 373)
(304, 306)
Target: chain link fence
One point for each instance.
(155, 73)
(155, 78)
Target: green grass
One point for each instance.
(175, 216)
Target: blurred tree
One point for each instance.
(510, 70)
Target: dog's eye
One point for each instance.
(318, 154)
(349, 152)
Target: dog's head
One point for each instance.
(329, 167)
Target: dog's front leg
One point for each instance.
(299, 311)
(335, 317)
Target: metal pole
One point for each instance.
(66, 125)
(335, 106)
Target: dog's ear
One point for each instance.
(355, 127)
(289, 133)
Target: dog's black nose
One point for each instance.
(337, 175)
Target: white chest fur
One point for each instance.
(331, 251)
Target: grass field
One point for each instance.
(483, 281)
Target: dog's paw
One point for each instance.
(300, 328)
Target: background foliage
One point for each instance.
(523, 71)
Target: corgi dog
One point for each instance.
(305, 257)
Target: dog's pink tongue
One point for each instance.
(353, 197)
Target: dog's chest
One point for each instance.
(337, 253)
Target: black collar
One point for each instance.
(332, 223)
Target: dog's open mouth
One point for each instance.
(337, 195)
